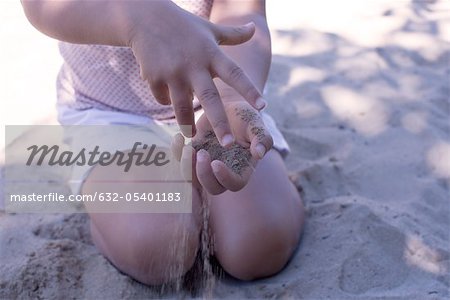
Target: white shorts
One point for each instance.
(81, 138)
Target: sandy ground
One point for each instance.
(361, 91)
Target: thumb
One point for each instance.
(234, 35)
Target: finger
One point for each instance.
(234, 35)
(210, 100)
(186, 162)
(160, 92)
(205, 174)
(182, 106)
(176, 146)
(203, 126)
(236, 78)
(227, 178)
(261, 140)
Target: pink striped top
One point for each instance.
(107, 77)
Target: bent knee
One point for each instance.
(257, 256)
(162, 260)
(158, 257)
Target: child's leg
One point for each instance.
(257, 229)
(153, 248)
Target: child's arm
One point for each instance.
(177, 51)
(80, 22)
(254, 56)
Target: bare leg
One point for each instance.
(257, 229)
(153, 248)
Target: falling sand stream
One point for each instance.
(201, 279)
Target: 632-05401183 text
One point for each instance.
(101, 197)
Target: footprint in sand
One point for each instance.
(365, 269)
(321, 182)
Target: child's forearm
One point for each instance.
(86, 21)
(254, 56)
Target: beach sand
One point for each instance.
(361, 91)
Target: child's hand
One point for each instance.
(213, 174)
(246, 125)
(179, 55)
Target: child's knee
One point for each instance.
(257, 256)
(161, 255)
(163, 260)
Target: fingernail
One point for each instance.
(261, 150)
(187, 151)
(260, 103)
(227, 140)
(187, 132)
(215, 166)
(201, 155)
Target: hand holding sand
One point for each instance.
(218, 168)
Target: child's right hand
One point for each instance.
(179, 55)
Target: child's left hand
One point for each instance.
(215, 176)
